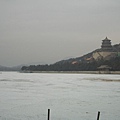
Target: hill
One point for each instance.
(67, 65)
(106, 55)
(15, 68)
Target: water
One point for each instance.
(27, 96)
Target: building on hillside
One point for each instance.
(104, 69)
(106, 51)
(106, 45)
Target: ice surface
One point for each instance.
(27, 96)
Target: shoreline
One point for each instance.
(75, 72)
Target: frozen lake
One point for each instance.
(27, 96)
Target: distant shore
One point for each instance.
(76, 72)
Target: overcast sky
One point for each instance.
(46, 31)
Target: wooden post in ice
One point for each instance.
(98, 115)
(48, 114)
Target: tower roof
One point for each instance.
(106, 39)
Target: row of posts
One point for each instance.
(98, 116)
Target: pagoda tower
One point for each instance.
(106, 45)
(106, 51)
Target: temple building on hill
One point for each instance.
(106, 51)
(106, 45)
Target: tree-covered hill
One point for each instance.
(83, 63)
(81, 66)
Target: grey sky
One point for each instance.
(50, 30)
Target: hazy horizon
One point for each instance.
(42, 31)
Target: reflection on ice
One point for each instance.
(103, 77)
(16, 80)
(105, 80)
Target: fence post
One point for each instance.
(98, 115)
(48, 114)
